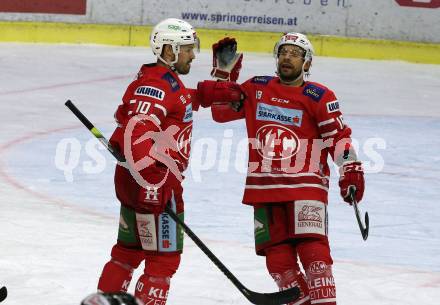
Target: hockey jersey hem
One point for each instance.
(280, 195)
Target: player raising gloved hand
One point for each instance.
(287, 181)
(226, 62)
(352, 174)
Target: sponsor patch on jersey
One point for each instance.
(167, 233)
(314, 92)
(310, 217)
(261, 79)
(146, 226)
(188, 116)
(183, 99)
(332, 106)
(172, 81)
(280, 115)
(153, 92)
(280, 100)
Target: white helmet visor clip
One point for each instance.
(196, 44)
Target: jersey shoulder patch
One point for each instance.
(264, 80)
(150, 91)
(315, 92)
(174, 84)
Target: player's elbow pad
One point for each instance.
(210, 92)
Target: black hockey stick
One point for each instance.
(3, 293)
(364, 228)
(275, 298)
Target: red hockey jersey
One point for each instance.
(291, 131)
(154, 118)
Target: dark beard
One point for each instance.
(182, 70)
(288, 78)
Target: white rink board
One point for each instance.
(378, 19)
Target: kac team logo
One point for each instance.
(184, 142)
(318, 267)
(276, 142)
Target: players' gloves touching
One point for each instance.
(211, 92)
(351, 174)
(157, 194)
(226, 62)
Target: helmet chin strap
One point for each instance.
(176, 51)
(169, 64)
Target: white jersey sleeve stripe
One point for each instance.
(164, 110)
(328, 134)
(326, 122)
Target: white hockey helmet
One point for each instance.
(296, 39)
(174, 32)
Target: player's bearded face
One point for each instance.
(290, 62)
(185, 58)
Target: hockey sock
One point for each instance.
(321, 283)
(152, 290)
(117, 273)
(115, 277)
(292, 278)
(152, 287)
(317, 263)
(281, 262)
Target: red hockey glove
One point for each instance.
(351, 174)
(155, 197)
(209, 92)
(226, 62)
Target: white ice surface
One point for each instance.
(56, 235)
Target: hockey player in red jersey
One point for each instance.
(293, 125)
(154, 135)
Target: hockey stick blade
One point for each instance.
(364, 228)
(274, 298)
(3, 293)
